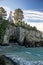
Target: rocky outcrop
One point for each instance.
(23, 36)
(6, 61)
(30, 37)
(11, 31)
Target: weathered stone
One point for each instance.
(20, 33)
(6, 61)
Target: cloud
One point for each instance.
(30, 14)
(33, 15)
(39, 25)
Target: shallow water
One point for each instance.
(24, 55)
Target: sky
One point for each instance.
(33, 10)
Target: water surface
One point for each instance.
(23, 52)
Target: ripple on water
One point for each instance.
(28, 52)
(22, 61)
(0, 49)
(38, 55)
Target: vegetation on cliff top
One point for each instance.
(18, 16)
(3, 26)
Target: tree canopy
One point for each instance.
(2, 12)
(18, 15)
(3, 26)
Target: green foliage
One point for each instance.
(25, 25)
(3, 26)
(18, 15)
(2, 12)
(34, 28)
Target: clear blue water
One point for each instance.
(28, 54)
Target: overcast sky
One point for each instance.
(33, 10)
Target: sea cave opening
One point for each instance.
(12, 39)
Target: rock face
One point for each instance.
(6, 61)
(11, 31)
(29, 36)
(23, 35)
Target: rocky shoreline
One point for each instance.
(6, 61)
(33, 44)
(28, 38)
(25, 43)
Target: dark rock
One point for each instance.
(6, 61)
(4, 44)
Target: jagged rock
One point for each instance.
(20, 33)
(6, 61)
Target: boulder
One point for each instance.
(6, 61)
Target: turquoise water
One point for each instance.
(23, 55)
(29, 54)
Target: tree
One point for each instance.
(34, 28)
(2, 12)
(3, 25)
(23, 24)
(18, 15)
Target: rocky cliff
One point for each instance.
(29, 36)
(24, 36)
